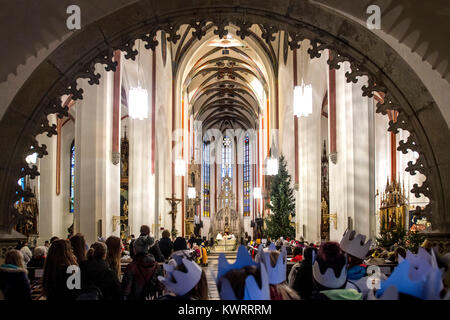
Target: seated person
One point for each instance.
(243, 280)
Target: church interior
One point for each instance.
(182, 118)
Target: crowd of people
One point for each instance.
(171, 269)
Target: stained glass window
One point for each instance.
(206, 179)
(246, 187)
(72, 176)
(226, 158)
(227, 169)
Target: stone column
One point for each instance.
(310, 146)
(352, 178)
(97, 180)
(141, 181)
(48, 218)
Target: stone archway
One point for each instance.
(26, 116)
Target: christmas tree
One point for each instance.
(282, 204)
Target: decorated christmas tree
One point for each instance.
(282, 204)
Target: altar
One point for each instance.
(226, 221)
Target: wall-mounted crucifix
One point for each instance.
(173, 203)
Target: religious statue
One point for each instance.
(173, 203)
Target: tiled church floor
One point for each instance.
(211, 273)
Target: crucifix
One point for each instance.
(173, 202)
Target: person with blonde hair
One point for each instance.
(14, 283)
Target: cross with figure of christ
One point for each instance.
(173, 202)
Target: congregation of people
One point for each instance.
(173, 269)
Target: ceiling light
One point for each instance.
(303, 100)
(138, 106)
(180, 168)
(192, 193)
(272, 166)
(257, 193)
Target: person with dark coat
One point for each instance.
(140, 280)
(179, 244)
(303, 282)
(58, 260)
(37, 262)
(14, 283)
(95, 272)
(165, 244)
(154, 250)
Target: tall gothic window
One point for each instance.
(246, 187)
(226, 158)
(227, 169)
(72, 176)
(206, 179)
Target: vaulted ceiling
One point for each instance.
(30, 26)
(225, 83)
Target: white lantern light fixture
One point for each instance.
(192, 193)
(272, 166)
(257, 193)
(302, 100)
(138, 104)
(180, 168)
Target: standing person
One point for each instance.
(156, 252)
(356, 248)
(113, 255)
(14, 283)
(154, 249)
(58, 260)
(297, 259)
(165, 244)
(26, 252)
(78, 244)
(96, 273)
(52, 239)
(303, 280)
(204, 255)
(140, 278)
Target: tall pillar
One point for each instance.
(310, 146)
(141, 180)
(48, 217)
(97, 179)
(352, 178)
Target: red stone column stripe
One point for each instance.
(332, 109)
(182, 178)
(116, 105)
